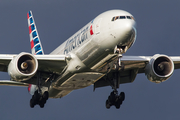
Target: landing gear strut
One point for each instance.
(38, 97)
(114, 98)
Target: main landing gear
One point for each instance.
(115, 98)
(39, 97)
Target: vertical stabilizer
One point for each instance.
(36, 47)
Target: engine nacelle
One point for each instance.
(159, 68)
(23, 67)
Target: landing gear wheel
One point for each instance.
(34, 100)
(41, 104)
(112, 97)
(122, 96)
(118, 104)
(32, 103)
(107, 104)
(46, 95)
(38, 98)
(115, 99)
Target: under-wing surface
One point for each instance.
(92, 56)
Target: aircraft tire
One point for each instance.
(42, 102)
(36, 96)
(112, 97)
(107, 104)
(118, 103)
(32, 103)
(122, 96)
(41, 105)
(46, 95)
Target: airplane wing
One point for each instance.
(133, 65)
(140, 62)
(56, 63)
(176, 61)
(46, 63)
(51, 63)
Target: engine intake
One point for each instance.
(159, 69)
(23, 67)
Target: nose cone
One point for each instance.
(125, 32)
(128, 26)
(125, 27)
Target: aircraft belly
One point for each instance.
(80, 80)
(76, 81)
(55, 93)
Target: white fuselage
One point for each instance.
(101, 36)
(94, 44)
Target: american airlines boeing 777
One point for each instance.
(92, 56)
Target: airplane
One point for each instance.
(92, 56)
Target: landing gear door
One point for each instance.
(97, 26)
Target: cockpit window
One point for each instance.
(117, 17)
(122, 17)
(128, 17)
(113, 18)
(132, 17)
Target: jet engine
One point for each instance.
(159, 69)
(22, 67)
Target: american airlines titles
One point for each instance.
(77, 40)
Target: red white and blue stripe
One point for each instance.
(36, 47)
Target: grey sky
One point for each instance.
(158, 27)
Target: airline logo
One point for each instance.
(91, 30)
(77, 40)
(82, 35)
(34, 38)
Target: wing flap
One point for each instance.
(127, 76)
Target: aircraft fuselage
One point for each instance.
(91, 46)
